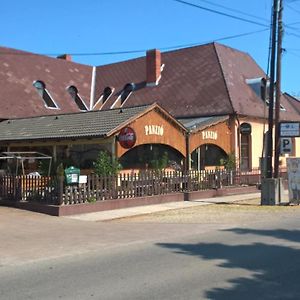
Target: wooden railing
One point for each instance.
(42, 189)
(53, 190)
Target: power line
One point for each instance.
(294, 23)
(290, 52)
(140, 50)
(292, 8)
(217, 40)
(293, 34)
(234, 10)
(291, 27)
(221, 13)
(235, 17)
(292, 49)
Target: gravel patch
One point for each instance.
(230, 213)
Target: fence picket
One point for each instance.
(53, 190)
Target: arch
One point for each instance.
(45, 95)
(153, 156)
(73, 91)
(207, 155)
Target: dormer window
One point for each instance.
(72, 90)
(282, 108)
(41, 89)
(260, 86)
(127, 90)
(107, 92)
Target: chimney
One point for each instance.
(67, 57)
(153, 67)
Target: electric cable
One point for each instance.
(139, 50)
(220, 13)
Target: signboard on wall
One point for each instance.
(293, 168)
(127, 137)
(289, 129)
(286, 145)
(245, 128)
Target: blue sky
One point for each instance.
(110, 26)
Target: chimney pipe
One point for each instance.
(153, 67)
(67, 57)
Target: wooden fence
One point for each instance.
(53, 190)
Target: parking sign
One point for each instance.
(286, 146)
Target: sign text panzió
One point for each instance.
(154, 130)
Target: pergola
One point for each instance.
(20, 157)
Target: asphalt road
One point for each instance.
(254, 259)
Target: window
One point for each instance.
(260, 86)
(76, 97)
(127, 90)
(107, 92)
(41, 89)
(282, 108)
(246, 146)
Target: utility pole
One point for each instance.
(278, 92)
(269, 151)
(271, 186)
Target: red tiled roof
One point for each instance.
(191, 83)
(238, 66)
(292, 101)
(18, 71)
(207, 80)
(198, 81)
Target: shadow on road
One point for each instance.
(288, 235)
(274, 267)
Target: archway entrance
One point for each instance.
(207, 155)
(152, 156)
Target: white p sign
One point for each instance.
(286, 146)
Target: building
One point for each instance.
(212, 94)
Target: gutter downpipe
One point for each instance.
(93, 84)
(187, 165)
(238, 138)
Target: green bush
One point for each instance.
(91, 200)
(229, 163)
(159, 163)
(105, 165)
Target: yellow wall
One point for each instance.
(257, 141)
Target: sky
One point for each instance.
(98, 32)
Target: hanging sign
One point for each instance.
(245, 128)
(293, 168)
(127, 137)
(289, 129)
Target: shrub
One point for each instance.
(105, 165)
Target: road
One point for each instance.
(249, 258)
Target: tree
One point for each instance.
(230, 162)
(159, 163)
(105, 165)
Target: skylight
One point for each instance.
(126, 92)
(76, 97)
(41, 89)
(107, 92)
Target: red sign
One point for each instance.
(127, 137)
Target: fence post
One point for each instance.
(60, 190)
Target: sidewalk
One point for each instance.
(148, 209)
(27, 236)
